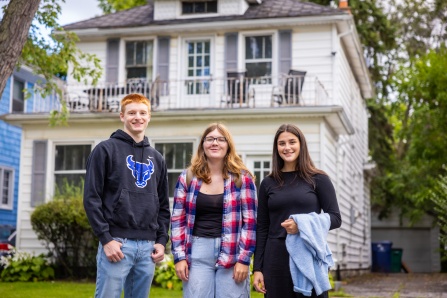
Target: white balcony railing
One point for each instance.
(204, 93)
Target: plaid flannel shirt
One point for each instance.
(238, 221)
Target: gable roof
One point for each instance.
(144, 15)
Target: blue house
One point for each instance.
(13, 101)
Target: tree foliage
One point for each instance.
(49, 57)
(110, 6)
(63, 226)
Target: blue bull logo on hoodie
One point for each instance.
(140, 171)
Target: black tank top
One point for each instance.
(209, 212)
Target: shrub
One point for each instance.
(23, 266)
(63, 226)
(165, 276)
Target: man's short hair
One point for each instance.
(134, 98)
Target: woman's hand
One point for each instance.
(240, 272)
(258, 282)
(182, 271)
(290, 226)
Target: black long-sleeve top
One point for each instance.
(296, 196)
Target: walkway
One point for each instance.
(397, 285)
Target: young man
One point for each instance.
(126, 199)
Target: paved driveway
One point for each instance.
(397, 285)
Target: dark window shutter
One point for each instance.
(38, 173)
(163, 58)
(112, 60)
(285, 51)
(231, 51)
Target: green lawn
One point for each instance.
(63, 289)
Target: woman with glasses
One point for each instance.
(213, 224)
(291, 199)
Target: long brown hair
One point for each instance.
(232, 162)
(304, 165)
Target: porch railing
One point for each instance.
(202, 93)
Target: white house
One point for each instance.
(252, 65)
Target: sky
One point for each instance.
(74, 10)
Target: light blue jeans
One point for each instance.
(208, 281)
(134, 273)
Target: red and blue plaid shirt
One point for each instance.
(238, 221)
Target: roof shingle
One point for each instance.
(144, 15)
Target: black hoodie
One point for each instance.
(126, 190)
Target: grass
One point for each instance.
(65, 289)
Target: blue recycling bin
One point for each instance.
(381, 256)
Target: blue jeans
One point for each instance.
(134, 273)
(208, 281)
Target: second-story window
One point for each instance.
(198, 67)
(18, 96)
(198, 7)
(258, 56)
(139, 59)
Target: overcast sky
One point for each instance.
(73, 10)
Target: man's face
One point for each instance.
(136, 117)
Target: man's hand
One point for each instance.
(159, 253)
(258, 282)
(182, 271)
(240, 272)
(290, 226)
(113, 251)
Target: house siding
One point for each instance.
(311, 52)
(10, 137)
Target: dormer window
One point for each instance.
(199, 7)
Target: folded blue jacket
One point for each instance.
(310, 256)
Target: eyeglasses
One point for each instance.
(211, 140)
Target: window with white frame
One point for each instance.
(177, 157)
(198, 67)
(258, 57)
(69, 163)
(139, 59)
(199, 7)
(18, 96)
(6, 188)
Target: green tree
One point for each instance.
(110, 6)
(21, 42)
(63, 227)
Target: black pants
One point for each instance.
(277, 277)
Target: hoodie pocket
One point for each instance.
(137, 210)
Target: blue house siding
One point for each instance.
(10, 138)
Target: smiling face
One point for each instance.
(215, 148)
(135, 117)
(289, 149)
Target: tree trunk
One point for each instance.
(14, 29)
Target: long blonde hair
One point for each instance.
(232, 162)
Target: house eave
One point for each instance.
(333, 115)
(163, 29)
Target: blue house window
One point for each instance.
(6, 188)
(18, 96)
(198, 7)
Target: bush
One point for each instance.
(23, 266)
(63, 226)
(165, 276)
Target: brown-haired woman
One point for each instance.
(295, 186)
(213, 224)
